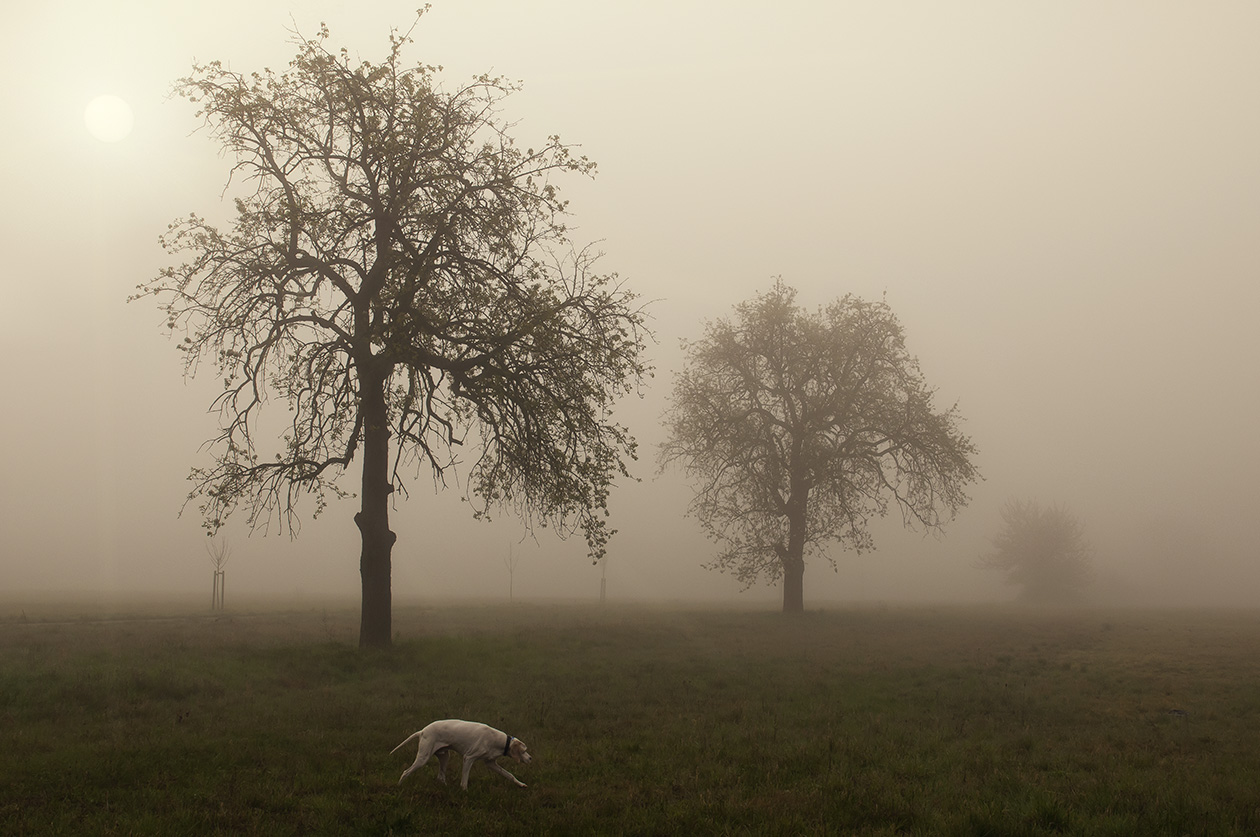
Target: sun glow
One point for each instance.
(108, 118)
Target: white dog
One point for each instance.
(473, 741)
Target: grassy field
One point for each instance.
(642, 721)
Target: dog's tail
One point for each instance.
(409, 739)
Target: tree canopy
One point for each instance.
(798, 428)
(1043, 551)
(399, 274)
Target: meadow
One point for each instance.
(642, 720)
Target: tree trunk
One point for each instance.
(376, 624)
(793, 585)
(794, 556)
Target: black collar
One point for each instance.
(507, 745)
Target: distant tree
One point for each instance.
(1042, 550)
(219, 552)
(399, 274)
(800, 427)
(510, 562)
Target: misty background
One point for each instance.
(1060, 201)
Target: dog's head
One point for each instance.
(519, 751)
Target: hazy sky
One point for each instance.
(1061, 201)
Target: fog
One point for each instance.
(1060, 201)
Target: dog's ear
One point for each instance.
(518, 750)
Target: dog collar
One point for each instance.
(508, 744)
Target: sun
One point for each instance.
(108, 118)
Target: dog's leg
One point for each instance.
(442, 755)
(468, 763)
(423, 752)
(494, 765)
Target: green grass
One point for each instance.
(642, 721)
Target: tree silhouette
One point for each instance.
(1042, 550)
(798, 428)
(510, 562)
(219, 553)
(399, 274)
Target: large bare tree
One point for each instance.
(398, 274)
(800, 427)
